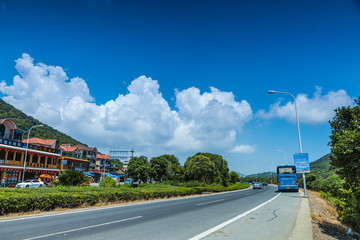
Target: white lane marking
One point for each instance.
(220, 200)
(83, 228)
(224, 224)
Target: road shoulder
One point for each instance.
(303, 226)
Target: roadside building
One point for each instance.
(123, 155)
(89, 154)
(73, 159)
(43, 156)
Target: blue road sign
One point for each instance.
(302, 163)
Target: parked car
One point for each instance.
(128, 181)
(30, 183)
(264, 183)
(257, 185)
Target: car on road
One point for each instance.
(257, 185)
(30, 183)
(264, 183)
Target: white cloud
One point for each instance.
(243, 149)
(141, 119)
(318, 109)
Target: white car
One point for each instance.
(30, 183)
(257, 185)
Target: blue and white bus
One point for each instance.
(287, 178)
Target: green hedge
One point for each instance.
(45, 199)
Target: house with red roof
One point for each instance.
(43, 156)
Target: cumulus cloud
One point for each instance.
(243, 149)
(317, 109)
(141, 119)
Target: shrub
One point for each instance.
(73, 178)
(108, 182)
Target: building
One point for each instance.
(43, 156)
(124, 155)
(73, 159)
(89, 154)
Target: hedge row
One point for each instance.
(27, 200)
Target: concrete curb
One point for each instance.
(303, 225)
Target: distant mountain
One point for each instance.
(25, 122)
(264, 174)
(321, 167)
(241, 175)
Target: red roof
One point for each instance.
(44, 142)
(102, 156)
(82, 147)
(67, 149)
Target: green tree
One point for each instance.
(234, 177)
(174, 171)
(117, 163)
(221, 167)
(345, 143)
(139, 169)
(200, 168)
(345, 148)
(160, 167)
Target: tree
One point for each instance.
(345, 143)
(234, 177)
(160, 167)
(200, 168)
(221, 167)
(345, 147)
(117, 163)
(174, 171)
(138, 169)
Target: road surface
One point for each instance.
(245, 214)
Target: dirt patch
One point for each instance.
(325, 220)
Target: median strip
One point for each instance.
(82, 228)
(224, 224)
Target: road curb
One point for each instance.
(303, 226)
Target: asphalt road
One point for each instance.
(246, 214)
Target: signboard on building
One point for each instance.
(12, 143)
(302, 163)
(64, 162)
(78, 169)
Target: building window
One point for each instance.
(49, 161)
(10, 156)
(2, 154)
(42, 159)
(17, 156)
(35, 158)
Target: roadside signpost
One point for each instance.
(302, 163)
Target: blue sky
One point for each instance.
(181, 77)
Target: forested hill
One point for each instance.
(321, 167)
(25, 122)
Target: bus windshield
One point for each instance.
(286, 170)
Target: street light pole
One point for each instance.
(298, 128)
(26, 149)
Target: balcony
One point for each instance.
(28, 164)
(65, 154)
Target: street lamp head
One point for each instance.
(271, 91)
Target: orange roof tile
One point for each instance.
(68, 149)
(102, 156)
(45, 142)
